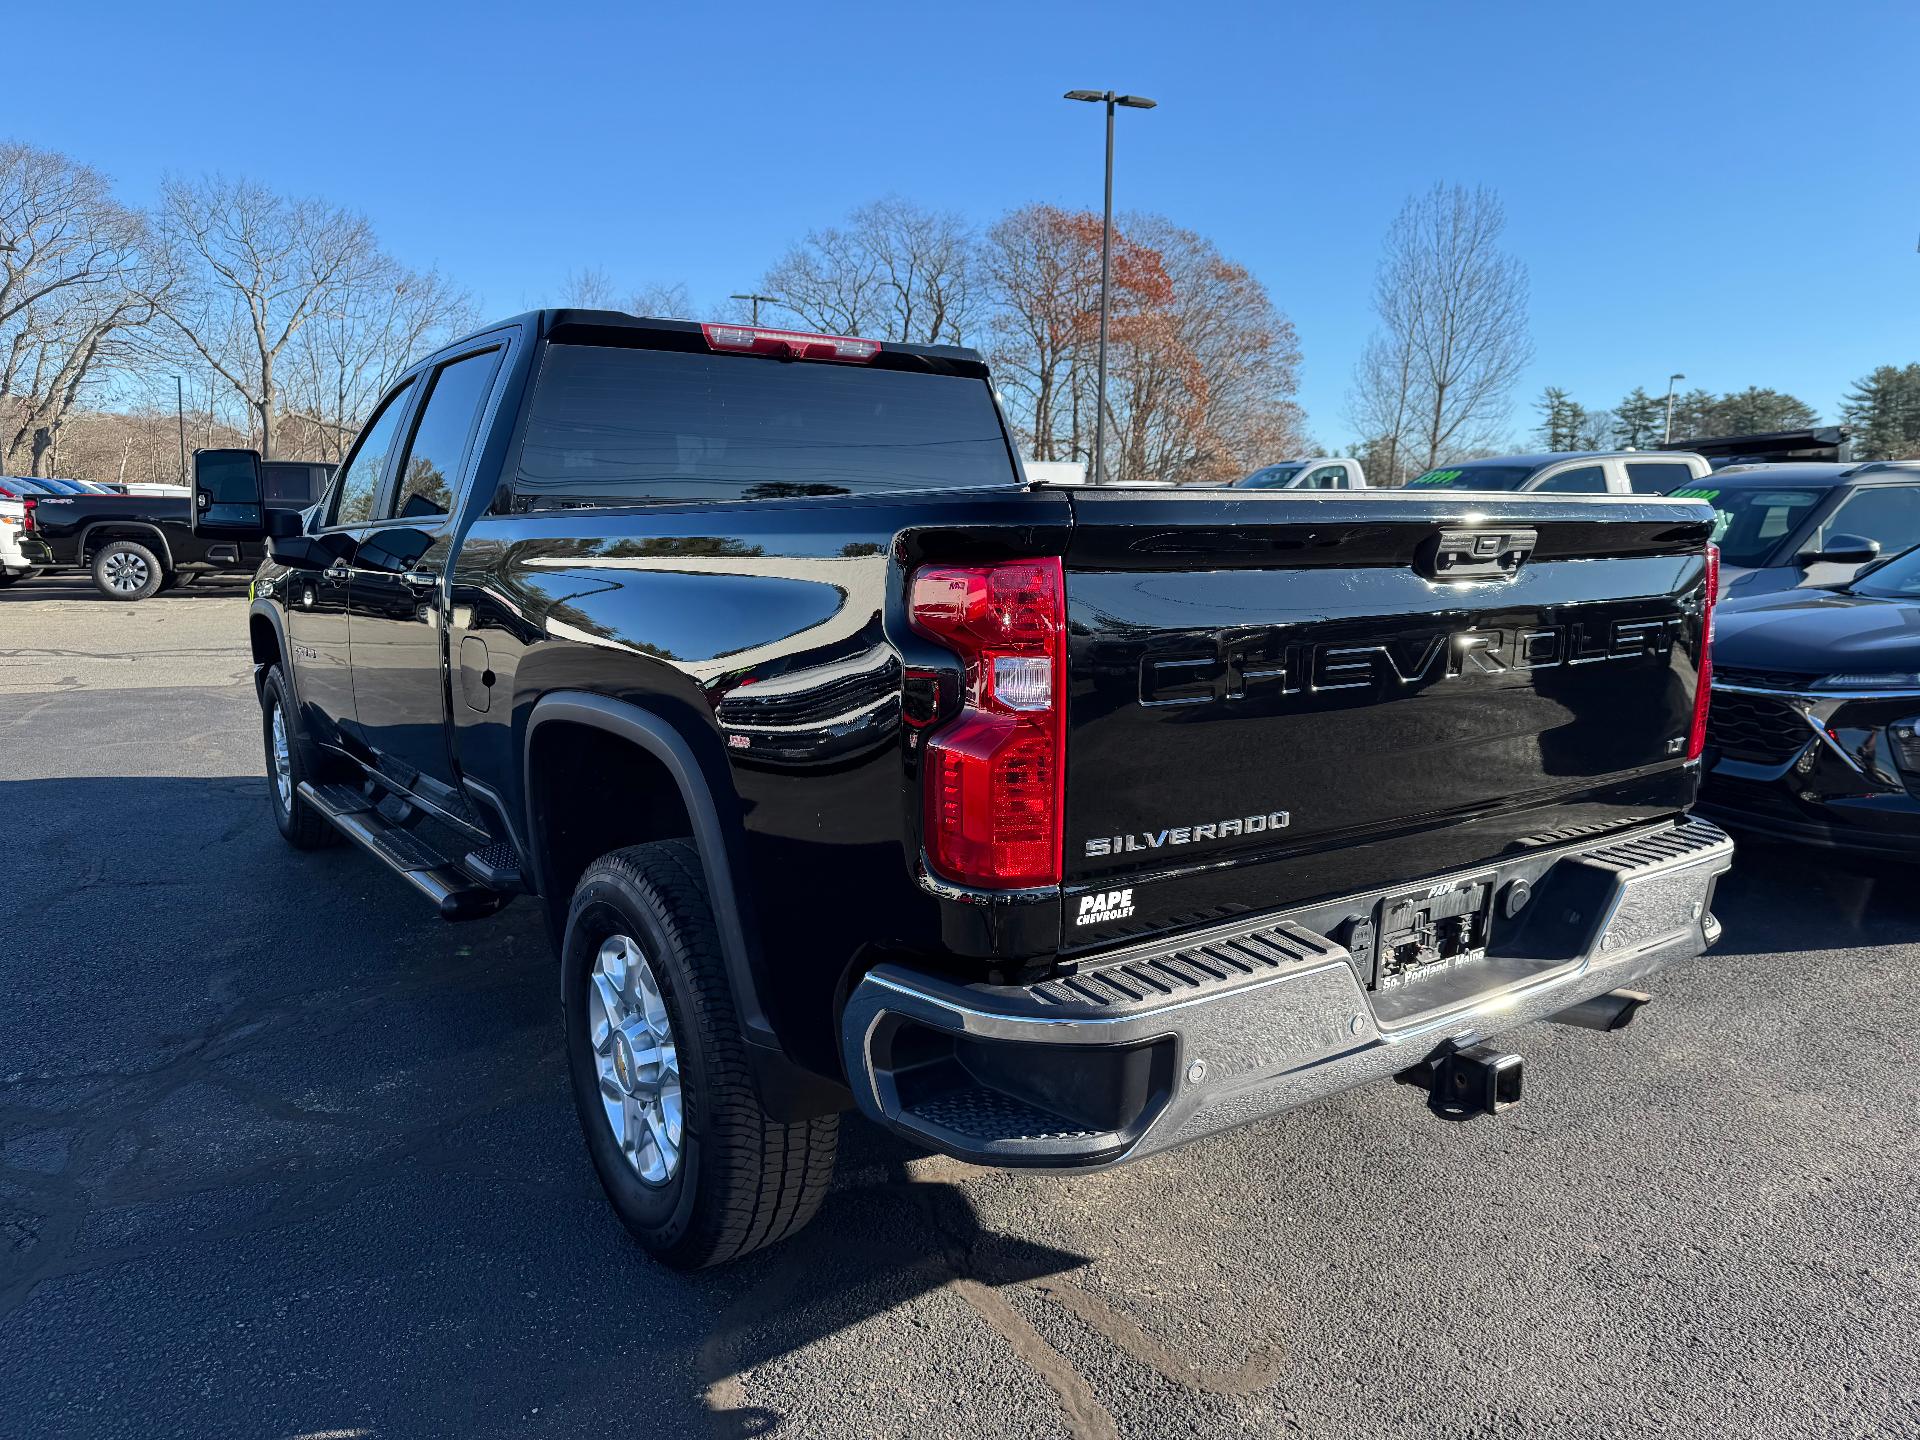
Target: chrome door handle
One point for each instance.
(420, 579)
(339, 572)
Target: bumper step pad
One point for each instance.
(1160, 1043)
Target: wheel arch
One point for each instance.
(267, 639)
(96, 533)
(665, 747)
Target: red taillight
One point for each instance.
(28, 501)
(798, 344)
(1703, 696)
(995, 774)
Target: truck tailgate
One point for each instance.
(1280, 697)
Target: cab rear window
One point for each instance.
(619, 426)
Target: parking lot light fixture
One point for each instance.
(1669, 432)
(1131, 102)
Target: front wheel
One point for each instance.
(692, 1164)
(127, 570)
(287, 766)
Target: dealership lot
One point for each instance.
(282, 1154)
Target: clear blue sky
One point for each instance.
(1728, 189)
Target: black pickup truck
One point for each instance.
(1048, 826)
(140, 544)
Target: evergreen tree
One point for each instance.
(1755, 410)
(1639, 420)
(1563, 420)
(1884, 410)
(1693, 414)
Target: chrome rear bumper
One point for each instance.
(1153, 1046)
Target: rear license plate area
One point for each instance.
(1432, 929)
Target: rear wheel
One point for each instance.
(126, 570)
(288, 763)
(692, 1164)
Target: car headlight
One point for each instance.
(1868, 680)
(1905, 738)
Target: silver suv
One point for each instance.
(1590, 472)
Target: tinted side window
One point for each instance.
(293, 486)
(432, 466)
(360, 482)
(1887, 513)
(624, 427)
(1581, 480)
(1653, 477)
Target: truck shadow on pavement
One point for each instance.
(77, 585)
(288, 1129)
(285, 1124)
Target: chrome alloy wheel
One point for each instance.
(126, 572)
(282, 761)
(638, 1063)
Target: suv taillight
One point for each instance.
(1703, 696)
(995, 773)
(28, 501)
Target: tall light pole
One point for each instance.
(756, 302)
(1132, 102)
(1670, 380)
(180, 409)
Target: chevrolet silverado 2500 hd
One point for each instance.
(1047, 826)
(136, 545)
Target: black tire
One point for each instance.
(743, 1179)
(8, 577)
(127, 570)
(299, 825)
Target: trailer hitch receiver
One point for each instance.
(1464, 1082)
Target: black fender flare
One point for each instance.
(667, 745)
(271, 614)
(144, 527)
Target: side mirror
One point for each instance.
(228, 496)
(1842, 550)
(287, 539)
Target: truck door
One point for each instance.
(399, 677)
(317, 592)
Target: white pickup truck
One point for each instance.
(1319, 473)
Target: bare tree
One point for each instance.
(1438, 374)
(258, 268)
(589, 288)
(1041, 272)
(894, 272)
(346, 356)
(662, 301)
(60, 229)
(77, 277)
(592, 288)
(1204, 373)
(83, 343)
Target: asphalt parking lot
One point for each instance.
(283, 1155)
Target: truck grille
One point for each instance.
(1762, 679)
(1756, 728)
